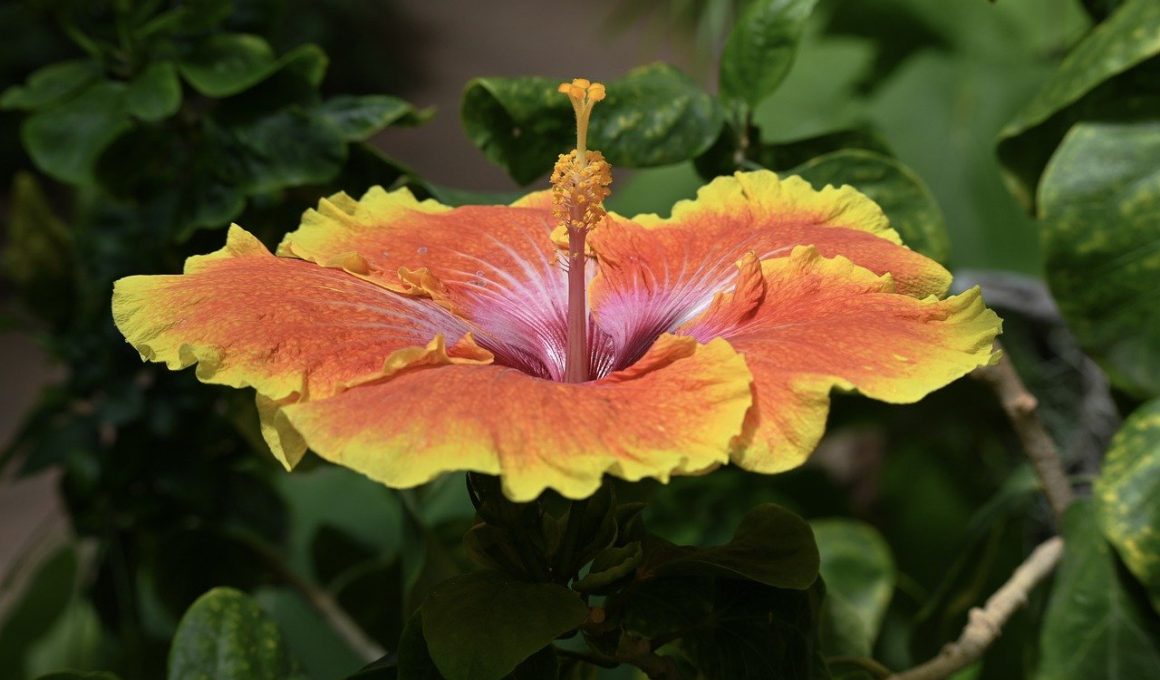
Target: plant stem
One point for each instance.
(569, 546)
(984, 625)
(1022, 410)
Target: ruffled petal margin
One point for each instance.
(288, 328)
(824, 323)
(676, 411)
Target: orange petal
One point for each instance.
(825, 323)
(289, 328)
(675, 412)
(493, 265)
(757, 211)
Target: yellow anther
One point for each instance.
(578, 191)
(596, 92)
(581, 83)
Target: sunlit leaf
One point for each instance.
(225, 635)
(1130, 36)
(1127, 495)
(1099, 199)
(761, 48)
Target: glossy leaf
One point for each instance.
(287, 148)
(1099, 199)
(65, 140)
(901, 193)
(761, 48)
(771, 545)
(1127, 493)
(225, 635)
(1096, 625)
(859, 573)
(51, 85)
(359, 117)
(1130, 36)
(155, 94)
(481, 625)
(654, 115)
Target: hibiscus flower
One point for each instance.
(551, 343)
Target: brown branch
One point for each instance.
(1022, 410)
(984, 625)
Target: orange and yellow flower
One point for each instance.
(406, 339)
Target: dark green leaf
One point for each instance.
(225, 64)
(359, 117)
(899, 191)
(786, 155)
(1097, 624)
(155, 94)
(1126, 495)
(228, 63)
(414, 660)
(761, 48)
(772, 546)
(42, 602)
(1128, 38)
(50, 85)
(64, 141)
(610, 565)
(859, 573)
(74, 675)
(1099, 198)
(655, 115)
(521, 124)
(38, 255)
(289, 147)
(225, 635)
(481, 625)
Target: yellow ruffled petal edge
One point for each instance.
(674, 412)
(826, 323)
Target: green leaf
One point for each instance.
(225, 635)
(1099, 198)
(38, 255)
(655, 115)
(225, 64)
(761, 48)
(50, 85)
(902, 195)
(481, 625)
(38, 608)
(65, 140)
(731, 628)
(1126, 494)
(786, 155)
(771, 545)
(359, 117)
(859, 573)
(610, 565)
(1128, 38)
(414, 659)
(1096, 626)
(155, 94)
(263, 159)
(75, 675)
(521, 124)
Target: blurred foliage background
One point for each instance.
(1013, 141)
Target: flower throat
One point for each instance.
(580, 183)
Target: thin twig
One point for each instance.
(984, 625)
(318, 598)
(1022, 410)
